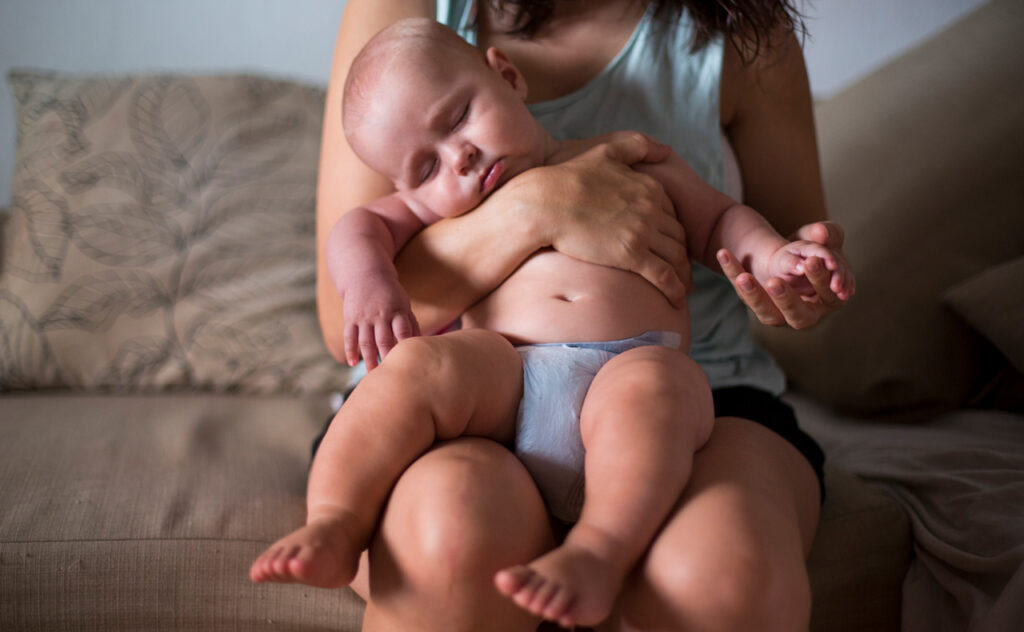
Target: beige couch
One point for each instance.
(163, 374)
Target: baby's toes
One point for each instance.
(542, 598)
(260, 570)
(510, 580)
(256, 570)
(558, 606)
(280, 564)
(526, 596)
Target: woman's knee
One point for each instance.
(732, 590)
(467, 508)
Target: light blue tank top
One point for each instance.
(657, 86)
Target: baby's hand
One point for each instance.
(793, 261)
(377, 317)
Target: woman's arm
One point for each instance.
(768, 115)
(344, 181)
(594, 207)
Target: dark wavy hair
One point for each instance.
(748, 24)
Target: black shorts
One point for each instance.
(750, 403)
(771, 412)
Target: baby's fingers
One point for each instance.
(787, 263)
(808, 251)
(402, 326)
(352, 344)
(405, 326)
(821, 279)
(843, 282)
(368, 346)
(385, 338)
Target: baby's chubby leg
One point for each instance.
(646, 412)
(466, 383)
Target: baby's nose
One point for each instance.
(465, 159)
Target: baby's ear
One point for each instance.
(501, 64)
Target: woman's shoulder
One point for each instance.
(748, 76)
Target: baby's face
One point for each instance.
(448, 133)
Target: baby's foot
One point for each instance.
(575, 584)
(322, 553)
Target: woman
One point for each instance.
(731, 556)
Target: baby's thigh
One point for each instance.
(472, 378)
(651, 387)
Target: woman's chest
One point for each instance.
(570, 54)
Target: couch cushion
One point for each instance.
(859, 559)
(922, 165)
(143, 512)
(138, 513)
(993, 304)
(161, 235)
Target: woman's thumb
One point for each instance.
(637, 147)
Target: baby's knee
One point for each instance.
(414, 354)
(661, 385)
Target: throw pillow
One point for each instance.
(993, 304)
(161, 235)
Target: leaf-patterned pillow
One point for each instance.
(161, 236)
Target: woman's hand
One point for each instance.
(777, 303)
(596, 208)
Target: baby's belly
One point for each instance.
(554, 298)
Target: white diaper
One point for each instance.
(556, 377)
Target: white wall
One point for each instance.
(294, 38)
(288, 38)
(850, 38)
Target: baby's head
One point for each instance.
(445, 122)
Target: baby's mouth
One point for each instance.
(490, 178)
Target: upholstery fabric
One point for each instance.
(922, 166)
(161, 235)
(141, 513)
(862, 533)
(136, 512)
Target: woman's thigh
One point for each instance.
(732, 555)
(463, 511)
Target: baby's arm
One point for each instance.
(715, 221)
(360, 259)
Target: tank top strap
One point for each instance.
(460, 16)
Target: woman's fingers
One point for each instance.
(674, 253)
(635, 147)
(749, 290)
(797, 312)
(826, 233)
(663, 276)
(777, 303)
